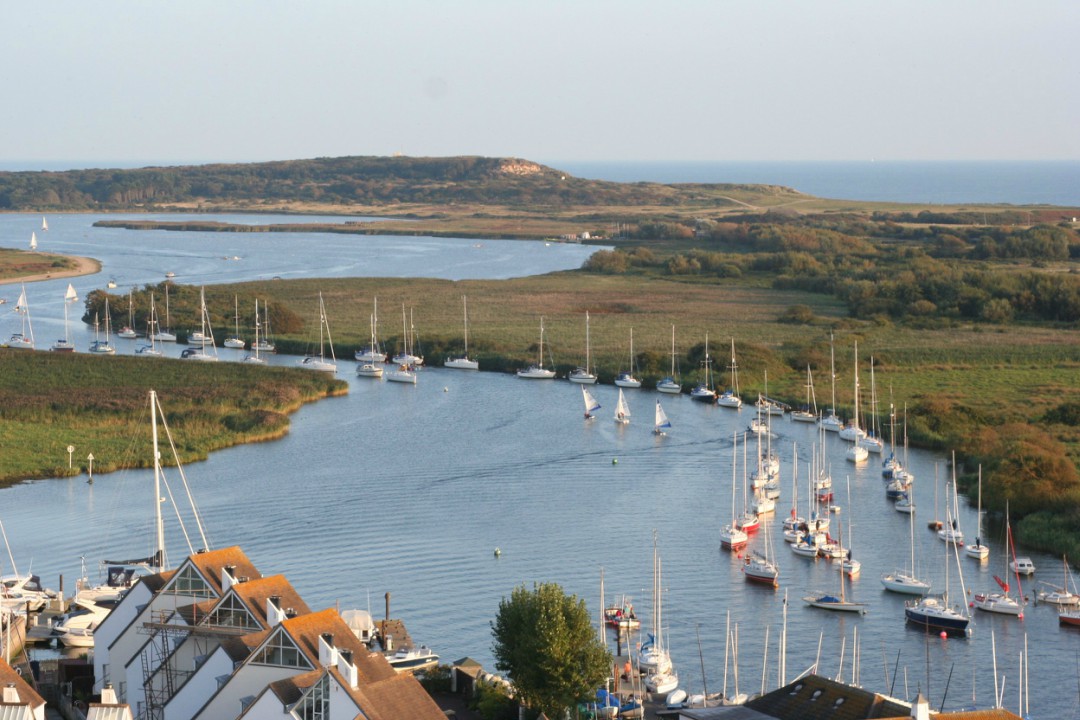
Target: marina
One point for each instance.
(518, 469)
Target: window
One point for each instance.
(280, 651)
(315, 704)
(230, 612)
(189, 582)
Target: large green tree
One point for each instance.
(544, 641)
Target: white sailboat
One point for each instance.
(826, 601)
(235, 342)
(1062, 595)
(99, 346)
(977, 549)
(584, 375)
(128, 331)
(44, 224)
(24, 339)
(254, 357)
(463, 362)
(626, 378)
(703, 392)
(669, 385)
(661, 422)
(622, 410)
(653, 657)
(760, 568)
(730, 398)
(831, 421)
(372, 353)
(405, 372)
(950, 532)
(368, 367)
(33, 241)
(856, 453)
(319, 362)
(152, 349)
(809, 413)
(591, 405)
(407, 356)
(263, 341)
(537, 371)
(1003, 602)
(204, 337)
(873, 442)
(165, 334)
(905, 581)
(64, 344)
(732, 536)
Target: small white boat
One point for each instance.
(977, 549)
(369, 370)
(1059, 595)
(64, 344)
(236, 342)
(406, 356)
(537, 371)
(319, 362)
(730, 397)
(626, 378)
(402, 374)
(661, 423)
(23, 340)
(128, 331)
(591, 405)
(463, 362)
(622, 410)
(669, 385)
(584, 375)
(412, 659)
(99, 346)
(254, 357)
(1023, 566)
(676, 698)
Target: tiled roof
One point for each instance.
(211, 562)
(255, 594)
(400, 696)
(27, 694)
(239, 648)
(157, 581)
(306, 629)
(817, 698)
(290, 689)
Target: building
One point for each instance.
(19, 701)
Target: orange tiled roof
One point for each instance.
(27, 694)
(255, 594)
(211, 562)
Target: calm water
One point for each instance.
(410, 489)
(1021, 183)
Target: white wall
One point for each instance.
(111, 627)
(248, 680)
(199, 687)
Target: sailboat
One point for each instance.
(732, 536)
(24, 339)
(622, 410)
(872, 441)
(463, 362)
(669, 385)
(235, 342)
(99, 346)
(584, 375)
(165, 334)
(591, 405)
(64, 344)
(661, 423)
(825, 601)
(703, 392)
(406, 356)
(33, 241)
(809, 413)
(933, 612)
(976, 549)
(44, 224)
(831, 422)
(253, 357)
(653, 657)
(759, 568)
(128, 331)
(405, 372)
(537, 371)
(150, 350)
(905, 581)
(748, 522)
(372, 353)
(951, 532)
(367, 366)
(263, 341)
(856, 453)
(1060, 595)
(730, 397)
(204, 337)
(1003, 602)
(626, 378)
(319, 362)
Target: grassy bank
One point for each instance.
(100, 406)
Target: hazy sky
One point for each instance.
(228, 80)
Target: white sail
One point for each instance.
(591, 404)
(71, 295)
(44, 223)
(20, 304)
(33, 241)
(622, 410)
(662, 422)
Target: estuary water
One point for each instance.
(410, 490)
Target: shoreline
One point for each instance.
(83, 266)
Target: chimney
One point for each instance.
(274, 614)
(387, 606)
(347, 669)
(108, 695)
(11, 694)
(227, 577)
(920, 709)
(327, 653)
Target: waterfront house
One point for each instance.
(19, 701)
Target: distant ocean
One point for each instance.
(1019, 183)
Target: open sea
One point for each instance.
(944, 182)
(410, 489)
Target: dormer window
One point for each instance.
(816, 695)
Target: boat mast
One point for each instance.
(832, 373)
(159, 555)
(465, 308)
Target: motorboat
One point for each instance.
(412, 659)
(1022, 566)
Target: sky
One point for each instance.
(129, 83)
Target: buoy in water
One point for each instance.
(446, 389)
(944, 634)
(614, 461)
(498, 552)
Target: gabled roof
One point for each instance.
(239, 648)
(400, 696)
(817, 698)
(292, 688)
(255, 594)
(210, 563)
(156, 581)
(306, 629)
(27, 694)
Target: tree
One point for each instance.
(544, 641)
